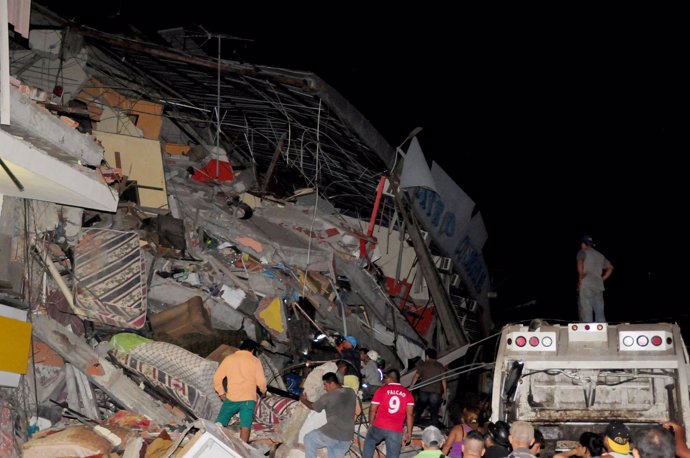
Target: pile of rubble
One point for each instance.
(135, 258)
(133, 311)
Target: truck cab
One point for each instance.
(568, 379)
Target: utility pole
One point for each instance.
(447, 318)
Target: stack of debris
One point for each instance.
(137, 308)
(121, 294)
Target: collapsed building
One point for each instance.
(160, 205)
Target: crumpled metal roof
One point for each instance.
(323, 140)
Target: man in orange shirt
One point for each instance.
(244, 374)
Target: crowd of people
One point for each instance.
(394, 411)
(521, 440)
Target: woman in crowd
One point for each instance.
(468, 422)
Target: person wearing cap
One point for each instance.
(381, 363)
(344, 378)
(432, 440)
(336, 435)
(236, 381)
(496, 440)
(372, 377)
(653, 442)
(392, 409)
(347, 352)
(593, 269)
(617, 440)
(521, 438)
(433, 390)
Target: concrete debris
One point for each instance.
(272, 277)
(113, 382)
(133, 308)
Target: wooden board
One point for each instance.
(141, 161)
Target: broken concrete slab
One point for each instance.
(80, 395)
(225, 317)
(113, 382)
(371, 294)
(166, 292)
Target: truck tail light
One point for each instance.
(531, 341)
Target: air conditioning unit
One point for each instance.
(455, 281)
(446, 265)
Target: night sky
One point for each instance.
(557, 123)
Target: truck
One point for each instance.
(568, 379)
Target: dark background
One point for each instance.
(557, 123)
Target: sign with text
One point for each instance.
(447, 216)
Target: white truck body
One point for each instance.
(569, 379)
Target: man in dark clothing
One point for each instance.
(538, 444)
(496, 440)
(433, 390)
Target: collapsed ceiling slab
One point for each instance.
(43, 159)
(321, 139)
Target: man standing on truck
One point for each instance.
(593, 269)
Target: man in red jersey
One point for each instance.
(391, 408)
